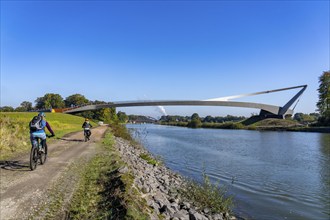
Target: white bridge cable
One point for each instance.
(227, 98)
(296, 104)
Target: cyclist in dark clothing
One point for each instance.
(87, 126)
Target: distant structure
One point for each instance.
(266, 111)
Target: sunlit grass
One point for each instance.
(14, 130)
(149, 159)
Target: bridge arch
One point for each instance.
(266, 110)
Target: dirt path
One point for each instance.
(24, 192)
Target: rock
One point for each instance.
(163, 209)
(206, 210)
(185, 205)
(175, 206)
(197, 216)
(123, 170)
(170, 211)
(182, 215)
(145, 188)
(217, 217)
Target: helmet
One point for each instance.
(86, 119)
(42, 114)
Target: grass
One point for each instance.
(120, 130)
(149, 159)
(273, 122)
(14, 130)
(104, 192)
(207, 195)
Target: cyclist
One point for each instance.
(39, 131)
(86, 126)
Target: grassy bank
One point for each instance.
(14, 130)
(106, 193)
(226, 125)
(270, 124)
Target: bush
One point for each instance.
(208, 195)
(120, 130)
(195, 123)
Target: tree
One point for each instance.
(6, 109)
(122, 117)
(26, 106)
(75, 100)
(195, 116)
(305, 118)
(195, 121)
(208, 118)
(323, 104)
(20, 109)
(50, 100)
(298, 116)
(107, 115)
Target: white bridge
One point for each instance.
(266, 110)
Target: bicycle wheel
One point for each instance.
(33, 158)
(43, 155)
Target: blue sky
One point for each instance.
(164, 50)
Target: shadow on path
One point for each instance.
(70, 139)
(14, 165)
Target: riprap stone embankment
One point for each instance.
(158, 186)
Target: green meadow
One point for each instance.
(15, 135)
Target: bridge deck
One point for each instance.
(224, 101)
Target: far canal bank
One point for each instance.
(271, 174)
(265, 125)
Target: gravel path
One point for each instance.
(24, 192)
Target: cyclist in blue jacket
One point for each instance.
(40, 131)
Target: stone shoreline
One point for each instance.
(156, 184)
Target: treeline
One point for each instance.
(194, 121)
(207, 119)
(140, 119)
(306, 119)
(52, 101)
(229, 121)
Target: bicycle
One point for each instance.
(87, 134)
(38, 152)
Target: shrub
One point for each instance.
(195, 123)
(207, 195)
(149, 159)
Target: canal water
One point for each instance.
(272, 175)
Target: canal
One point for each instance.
(272, 175)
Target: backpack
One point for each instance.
(35, 123)
(87, 125)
